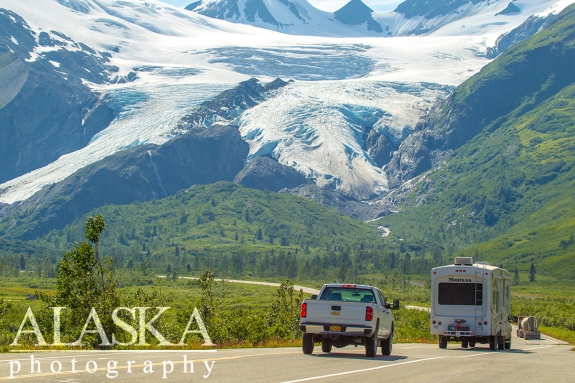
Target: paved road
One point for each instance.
(527, 361)
(305, 289)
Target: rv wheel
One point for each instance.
(493, 341)
(464, 344)
(471, 344)
(508, 344)
(501, 344)
(442, 342)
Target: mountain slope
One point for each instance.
(506, 191)
(135, 175)
(496, 94)
(219, 219)
(67, 114)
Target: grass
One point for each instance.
(559, 333)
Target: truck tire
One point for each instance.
(508, 344)
(464, 344)
(442, 342)
(493, 341)
(326, 345)
(387, 345)
(371, 345)
(307, 344)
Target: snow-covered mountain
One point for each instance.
(351, 103)
(293, 16)
(412, 17)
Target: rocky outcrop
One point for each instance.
(45, 109)
(331, 198)
(139, 174)
(355, 13)
(379, 147)
(231, 103)
(265, 173)
(527, 29)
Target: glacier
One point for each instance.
(318, 129)
(344, 84)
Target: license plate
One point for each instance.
(334, 328)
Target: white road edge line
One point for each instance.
(364, 370)
(537, 348)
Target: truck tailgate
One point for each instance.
(351, 313)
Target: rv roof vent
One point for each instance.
(482, 263)
(467, 261)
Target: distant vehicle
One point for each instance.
(344, 314)
(528, 328)
(470, 303)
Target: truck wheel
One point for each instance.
(464, 343)
(442, 342)
(493, 341)
(386, 345)
(371, 345)
(307, 343)
(326, 345)
(508, 344)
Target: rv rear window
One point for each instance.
(462, 294)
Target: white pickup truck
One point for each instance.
(344, 314)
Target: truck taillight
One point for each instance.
(368, 313)
(348, 285)
(303, 311)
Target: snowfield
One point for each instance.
(342, 84)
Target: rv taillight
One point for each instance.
(303, 311)
(368, 313)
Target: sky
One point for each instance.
(324, 5)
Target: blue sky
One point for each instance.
(324, 5)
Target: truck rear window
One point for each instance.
(461, 294)
(347, 295)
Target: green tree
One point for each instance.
(206, 282)
(85, 282)
(532, 273)
(284, 314)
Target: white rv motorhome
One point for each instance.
(470, 303)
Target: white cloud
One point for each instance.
(324, 5)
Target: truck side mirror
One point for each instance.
(396, 304)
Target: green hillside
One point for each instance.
(232, 230)
(507, 194)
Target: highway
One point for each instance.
(527, 361)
